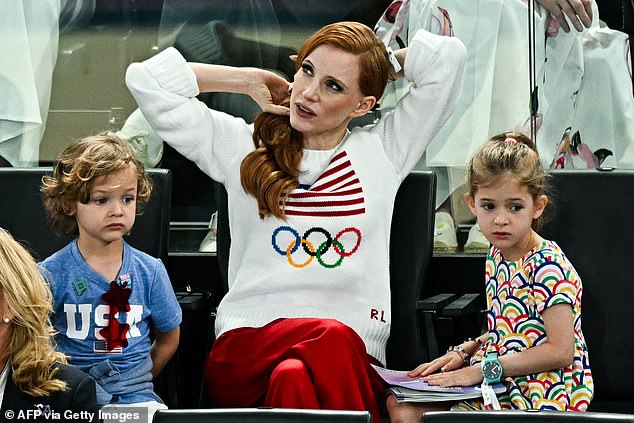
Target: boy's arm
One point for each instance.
(163, 349)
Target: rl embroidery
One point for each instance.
(117, 298)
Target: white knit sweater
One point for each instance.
(290, 268)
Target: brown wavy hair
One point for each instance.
(27, 301)
(271, 171)
(497, 158)
(75, 171)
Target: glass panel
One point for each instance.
(62, 77)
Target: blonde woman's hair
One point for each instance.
(271, 171)
(27, 301)
(509, 153)
(75, 171)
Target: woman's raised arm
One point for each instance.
(266, 88)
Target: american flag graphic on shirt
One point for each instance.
(337, 192)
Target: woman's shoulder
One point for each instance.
(80, 392)
(71, 374)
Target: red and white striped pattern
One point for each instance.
(337, 192)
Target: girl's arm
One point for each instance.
(266, 88)
(452, 359)
(556, 352)
(163, 348)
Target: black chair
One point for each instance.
(450, 319)
(592, 224)
(22, 213)
(411, 248)
(260, 415)
(538, 416)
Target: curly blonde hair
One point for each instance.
(27, 301)
(75, 171)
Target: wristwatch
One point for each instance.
(491, 368)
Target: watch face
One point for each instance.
(492, 370)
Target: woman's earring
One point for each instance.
(6, 319)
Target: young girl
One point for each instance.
(534, 343)
(108, 295)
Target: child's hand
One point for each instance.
(449, 361)
(470, 375)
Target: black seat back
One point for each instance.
(411, 248)
(22, 213)
(593, 226)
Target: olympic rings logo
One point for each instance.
(309, 247)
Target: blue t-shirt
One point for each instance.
(142, 295)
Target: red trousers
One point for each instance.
(293, 363)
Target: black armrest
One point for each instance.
(442, 314)
(435, 303)
(431, 307)
(193, 300)
(463, 306)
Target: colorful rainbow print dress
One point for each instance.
(517, 293)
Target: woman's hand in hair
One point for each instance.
(579, 12)
(270, 91)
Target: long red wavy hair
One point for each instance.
(271, 171)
